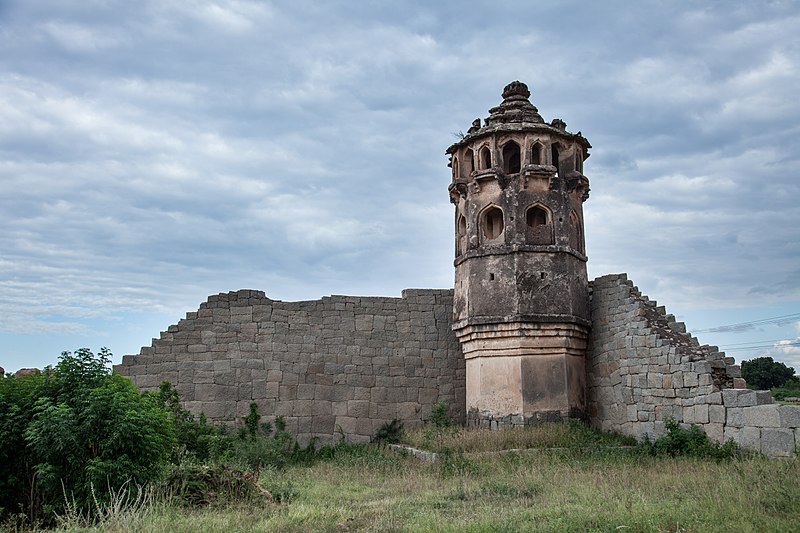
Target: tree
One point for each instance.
(763, 373)
(77, 429)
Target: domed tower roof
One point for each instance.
(516, 113)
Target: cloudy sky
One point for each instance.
(155, 152)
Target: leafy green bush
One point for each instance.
(18, 488)
(79, 432)
(262, 451)
(690, 441)
(440, 416)
(389, 432)
(194, 437)
(252, 448)
(790, 389)
(204, 484)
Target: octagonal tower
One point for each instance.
(521, 303)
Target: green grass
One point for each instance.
(370, 489)
(547, 435)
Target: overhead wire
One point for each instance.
(752, 323)
(758, 347)
(758, 344)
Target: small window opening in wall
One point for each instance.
(536, 154)
(491, 277)
(554, 156)
(511, 158)
(578, 162)
(486, 158)
(542, 275)
(456, 173)
(469, 162)
(492, 223)
(536, 216)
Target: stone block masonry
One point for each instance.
(338, 365)
(346, 365)
(642, 368)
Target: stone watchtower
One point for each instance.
(521, 302)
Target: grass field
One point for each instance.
(371, 489)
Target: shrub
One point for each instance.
(260, 451)
(194, 437)
(389, 432)
(77, 431)
(440, 416)
(791, 388)
(691, 441)
(198, 485)
(18, 494)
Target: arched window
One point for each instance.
(511, 158)
(461, 235)
(492, 221)
(456, 174)
(579, 160)
(536, 154)
(486, 158)
(469, 162)
(536, 216)
(554, 156)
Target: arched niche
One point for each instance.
(492, 224)
(485, 158)
(538, 225)
(469, 163)
(576, 232)
(537, 215)
(461, 235)
(511, 158)
(536, 153)
(555, 151)
(579, 160)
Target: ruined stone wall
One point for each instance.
(350, 364)
(643, 368)
(341, 363)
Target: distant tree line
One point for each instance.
(763, 373)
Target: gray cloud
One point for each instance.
(152, 153)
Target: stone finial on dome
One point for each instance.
(516, 88)
(515, 107)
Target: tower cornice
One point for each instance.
(489, 131)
